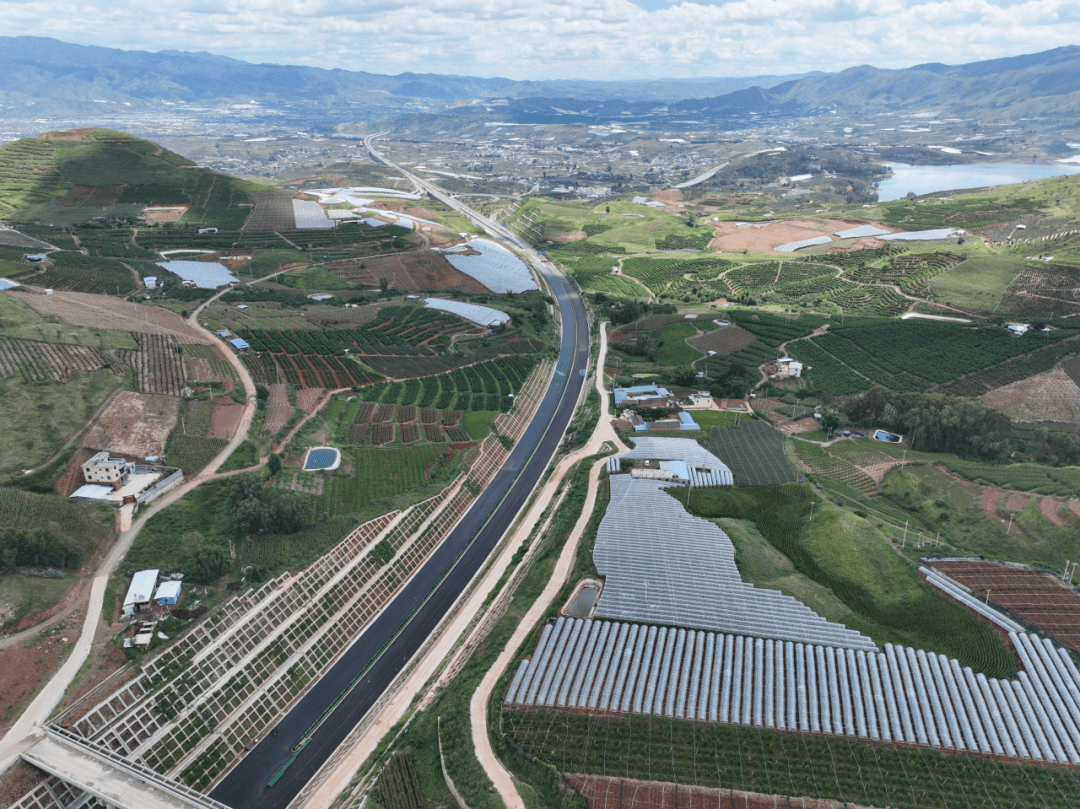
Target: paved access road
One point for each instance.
(469, 543)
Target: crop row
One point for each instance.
(81, 273)
(657, 273)
(939, 351)
(776, 329)
(484, 386)
(733, 757)
(307, 370)
(828, 373)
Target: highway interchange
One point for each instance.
(432, 591)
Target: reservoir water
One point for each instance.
(927, 179)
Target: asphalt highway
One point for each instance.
(469, 544)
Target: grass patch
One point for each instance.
(19, 320)
(386, 478)
(192, 452)
(31, 595)
(38, 419)
(12, 268)
(674, 349)
(311, 278)
(707, 419)
(171, 537)
(976, 284)
(245, 455)
(852, 558)
(763, 565)
(477, 422)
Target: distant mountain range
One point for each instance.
(36, 69)
(1042, 84)
(51, 76)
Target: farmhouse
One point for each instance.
(1019, 329)
(168, 592)
(240, 344)
(140, 591)
(787, 367)
(644, 396)
(105, 470)
(701, 400)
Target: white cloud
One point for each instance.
(611, 39)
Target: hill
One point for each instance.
(59, 75)
(1000, 89)
(72, 176)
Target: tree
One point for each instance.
(830, 420)
(211, 563)
(384, 285)
(684, 376)
(274, 463)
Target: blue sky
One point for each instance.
(600, 39)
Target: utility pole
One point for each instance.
(1009, 529)
(903, 461)
(904, 544)
(812, 504)
(987, 601)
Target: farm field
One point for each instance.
(1038, 598)
(723, 340)
(909, 355)
(733, 757)
(1049, 396)
(483, 386)
(79, 273)
(409, 272)
(673, 348)
(40, 417)
(40, 362)
(1040, 289)
(102, 313)
(382, 476)
(55, 168)
(977, 284)
(134, 424)
(20, 320)
(755, 453)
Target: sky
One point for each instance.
(564, 39)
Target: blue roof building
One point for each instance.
(686, 422)
(239, 344)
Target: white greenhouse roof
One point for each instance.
(662, 565)
(920, 235)
(860, 232)
(496, 267)
(309, 215)
(791, 247)
(205, 274)
(482, 315)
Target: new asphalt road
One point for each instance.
(426, 598)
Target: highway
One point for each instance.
(445, 575)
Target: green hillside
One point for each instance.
(64, 178)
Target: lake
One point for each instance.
(927, 179)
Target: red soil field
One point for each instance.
(407, 272)
(225, 418)
(1038, 598)
(601, 792)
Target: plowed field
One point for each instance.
(1039, 598)
(618, 793)
(407, 272)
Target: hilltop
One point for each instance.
(71, 176)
